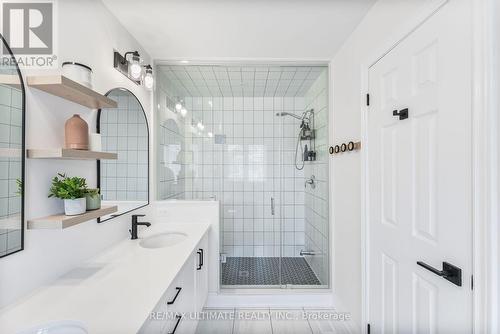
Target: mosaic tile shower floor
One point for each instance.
(265, 271)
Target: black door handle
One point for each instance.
(175, 297)
(403, 113)
(179, 317)
(449, 272)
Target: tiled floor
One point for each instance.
(272, 321)
(265, 271)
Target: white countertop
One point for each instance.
(113, 292)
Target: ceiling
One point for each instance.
(240, 29)
(231, 81)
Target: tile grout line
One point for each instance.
(234, 320)
(308, 322)
(270, 320)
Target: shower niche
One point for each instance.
(270, 171)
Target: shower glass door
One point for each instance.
(304, 186)
(251, 235)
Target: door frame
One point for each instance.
(484, 168)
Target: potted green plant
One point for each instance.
(72, 190)
(93, 199)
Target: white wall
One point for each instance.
(381, 21)
(87, 33)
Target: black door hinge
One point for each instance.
(472, 282)
(368, 328)
(367, 99)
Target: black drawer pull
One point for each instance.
(201, 257)
(176, 324)
(175, 297)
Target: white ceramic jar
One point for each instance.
(74, 207)
(95, 142)
(78, 72)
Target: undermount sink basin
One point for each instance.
(58, 327)
(161, 240)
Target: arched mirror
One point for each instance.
(12, 111)
(124, 182)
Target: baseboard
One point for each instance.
(270, 299)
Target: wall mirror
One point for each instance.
(124, 182)
(12, 110)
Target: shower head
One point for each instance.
(289, 114)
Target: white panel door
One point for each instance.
(419, 179)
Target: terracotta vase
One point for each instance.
(76, 133)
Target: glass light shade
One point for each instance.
(178, 106)
(135, 70)
(183, 111)
(148, 81)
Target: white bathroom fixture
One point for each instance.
(58, 327)
(177, 280)
(163, 240)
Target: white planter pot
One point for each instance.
(74, 207)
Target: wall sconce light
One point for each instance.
(132, 68)
(148, 79)
(180, 108)
(183, 112)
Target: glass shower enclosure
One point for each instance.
(255, 138)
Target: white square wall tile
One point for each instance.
(238, 103)
(238, 238)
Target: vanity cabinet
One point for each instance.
(176, 311)
(201, 273)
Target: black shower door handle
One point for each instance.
(449, 272)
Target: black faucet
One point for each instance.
(135, 223)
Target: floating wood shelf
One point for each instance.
(71, 90)
(69, 154)
(11, 80)
(61, 221)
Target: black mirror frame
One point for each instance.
(98, 130)
(23, 145)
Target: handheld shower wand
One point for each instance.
(304, 133)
